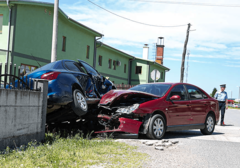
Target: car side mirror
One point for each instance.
(175, 97)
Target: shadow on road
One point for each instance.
(226, 125)
(168, 135)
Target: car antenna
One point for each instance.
(36, 61)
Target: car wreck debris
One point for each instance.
(159, 148)
(161, 144)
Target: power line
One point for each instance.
(133, 20)
(190, 3)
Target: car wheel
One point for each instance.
(209, 125)
(157, 127)
(79, 105)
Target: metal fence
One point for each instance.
(13, 81)
(123, 86)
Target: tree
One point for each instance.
(213, 92)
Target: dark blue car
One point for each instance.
(73, 86)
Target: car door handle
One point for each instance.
(188, 105)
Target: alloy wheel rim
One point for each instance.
(81, 101)
(210, 124)
(158, 127)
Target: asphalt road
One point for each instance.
(189, 153)
(221, 149)
(232, 117)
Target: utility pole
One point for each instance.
(55, 32)
(188, 53)
(184, 54)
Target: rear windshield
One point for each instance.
(45, 67)
(155, 89)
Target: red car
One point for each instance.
(155, 108)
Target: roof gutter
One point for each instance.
(95, 51)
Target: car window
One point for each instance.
(70, 66)
(194, 93)
(82, 69)
(90, 69)
(180, 91)
(45, 67)
(204, 95)
(156, 89)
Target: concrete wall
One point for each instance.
(22, 116)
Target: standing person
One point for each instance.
(222, 98)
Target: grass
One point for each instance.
(73, 151)
(234, 108)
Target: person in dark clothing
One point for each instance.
(222, 98)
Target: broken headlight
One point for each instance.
(128, 110)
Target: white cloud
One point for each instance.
(133, 53)
(233, 66)
(122, 43)
(205, 49)
(195, 61)
(216, 27)
(172, 59)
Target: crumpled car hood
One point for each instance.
(114, 95)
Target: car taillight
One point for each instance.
(50, 75)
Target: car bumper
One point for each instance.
(126, 125)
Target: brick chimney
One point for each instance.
(160, 50)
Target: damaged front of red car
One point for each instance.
(127, 111)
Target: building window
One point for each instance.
(114, 65)
(125, 68)
(100, 60)
(109, 63)
(64, 44)
(24, 69)
(138, 70)
(88, 49)
(1, 23)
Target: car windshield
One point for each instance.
(155, 89)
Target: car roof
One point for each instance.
(173, 84)
(170, 83)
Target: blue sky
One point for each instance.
(214, 46)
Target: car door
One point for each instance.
(78, 73)
(178, 110)
(96, 77)
(199, 104)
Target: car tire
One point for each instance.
(157, 127)
(79, 104)
(209, 125)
